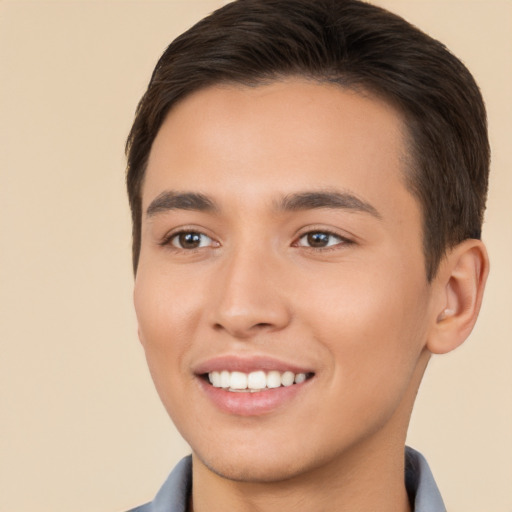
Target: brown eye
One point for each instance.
(320, 240)
(190, 240)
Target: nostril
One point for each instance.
(243, 329)
(246, 320)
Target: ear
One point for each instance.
(459, 285)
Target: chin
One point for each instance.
(259, 471)
(262, 464)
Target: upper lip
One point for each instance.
(247, 364)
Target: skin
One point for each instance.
(359, 313)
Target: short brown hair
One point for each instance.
(356, 45)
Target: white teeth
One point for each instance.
(215, 379)
(273, 380)
(300, 377)
(257, 380)
(287, 378)
(238, 380)
(224, 379)
(254, 381)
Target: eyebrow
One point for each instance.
(170, 200)
(326, 199)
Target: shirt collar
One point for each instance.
(421, 486)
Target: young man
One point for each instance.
(307, 181)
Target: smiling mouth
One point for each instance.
(253, 382)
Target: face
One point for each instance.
(281, 251)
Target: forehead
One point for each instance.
(280, 138)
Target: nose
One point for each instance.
(250, 296)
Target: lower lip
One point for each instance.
(252, 404)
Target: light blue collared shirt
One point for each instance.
(421, 487)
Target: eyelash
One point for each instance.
(342, 241)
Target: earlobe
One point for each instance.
(461, 282)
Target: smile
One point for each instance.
(254, 381)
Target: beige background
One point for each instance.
(81, 428)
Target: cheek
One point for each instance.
(163, 316)
(161, 325)
(165, 305)
(374, 326)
